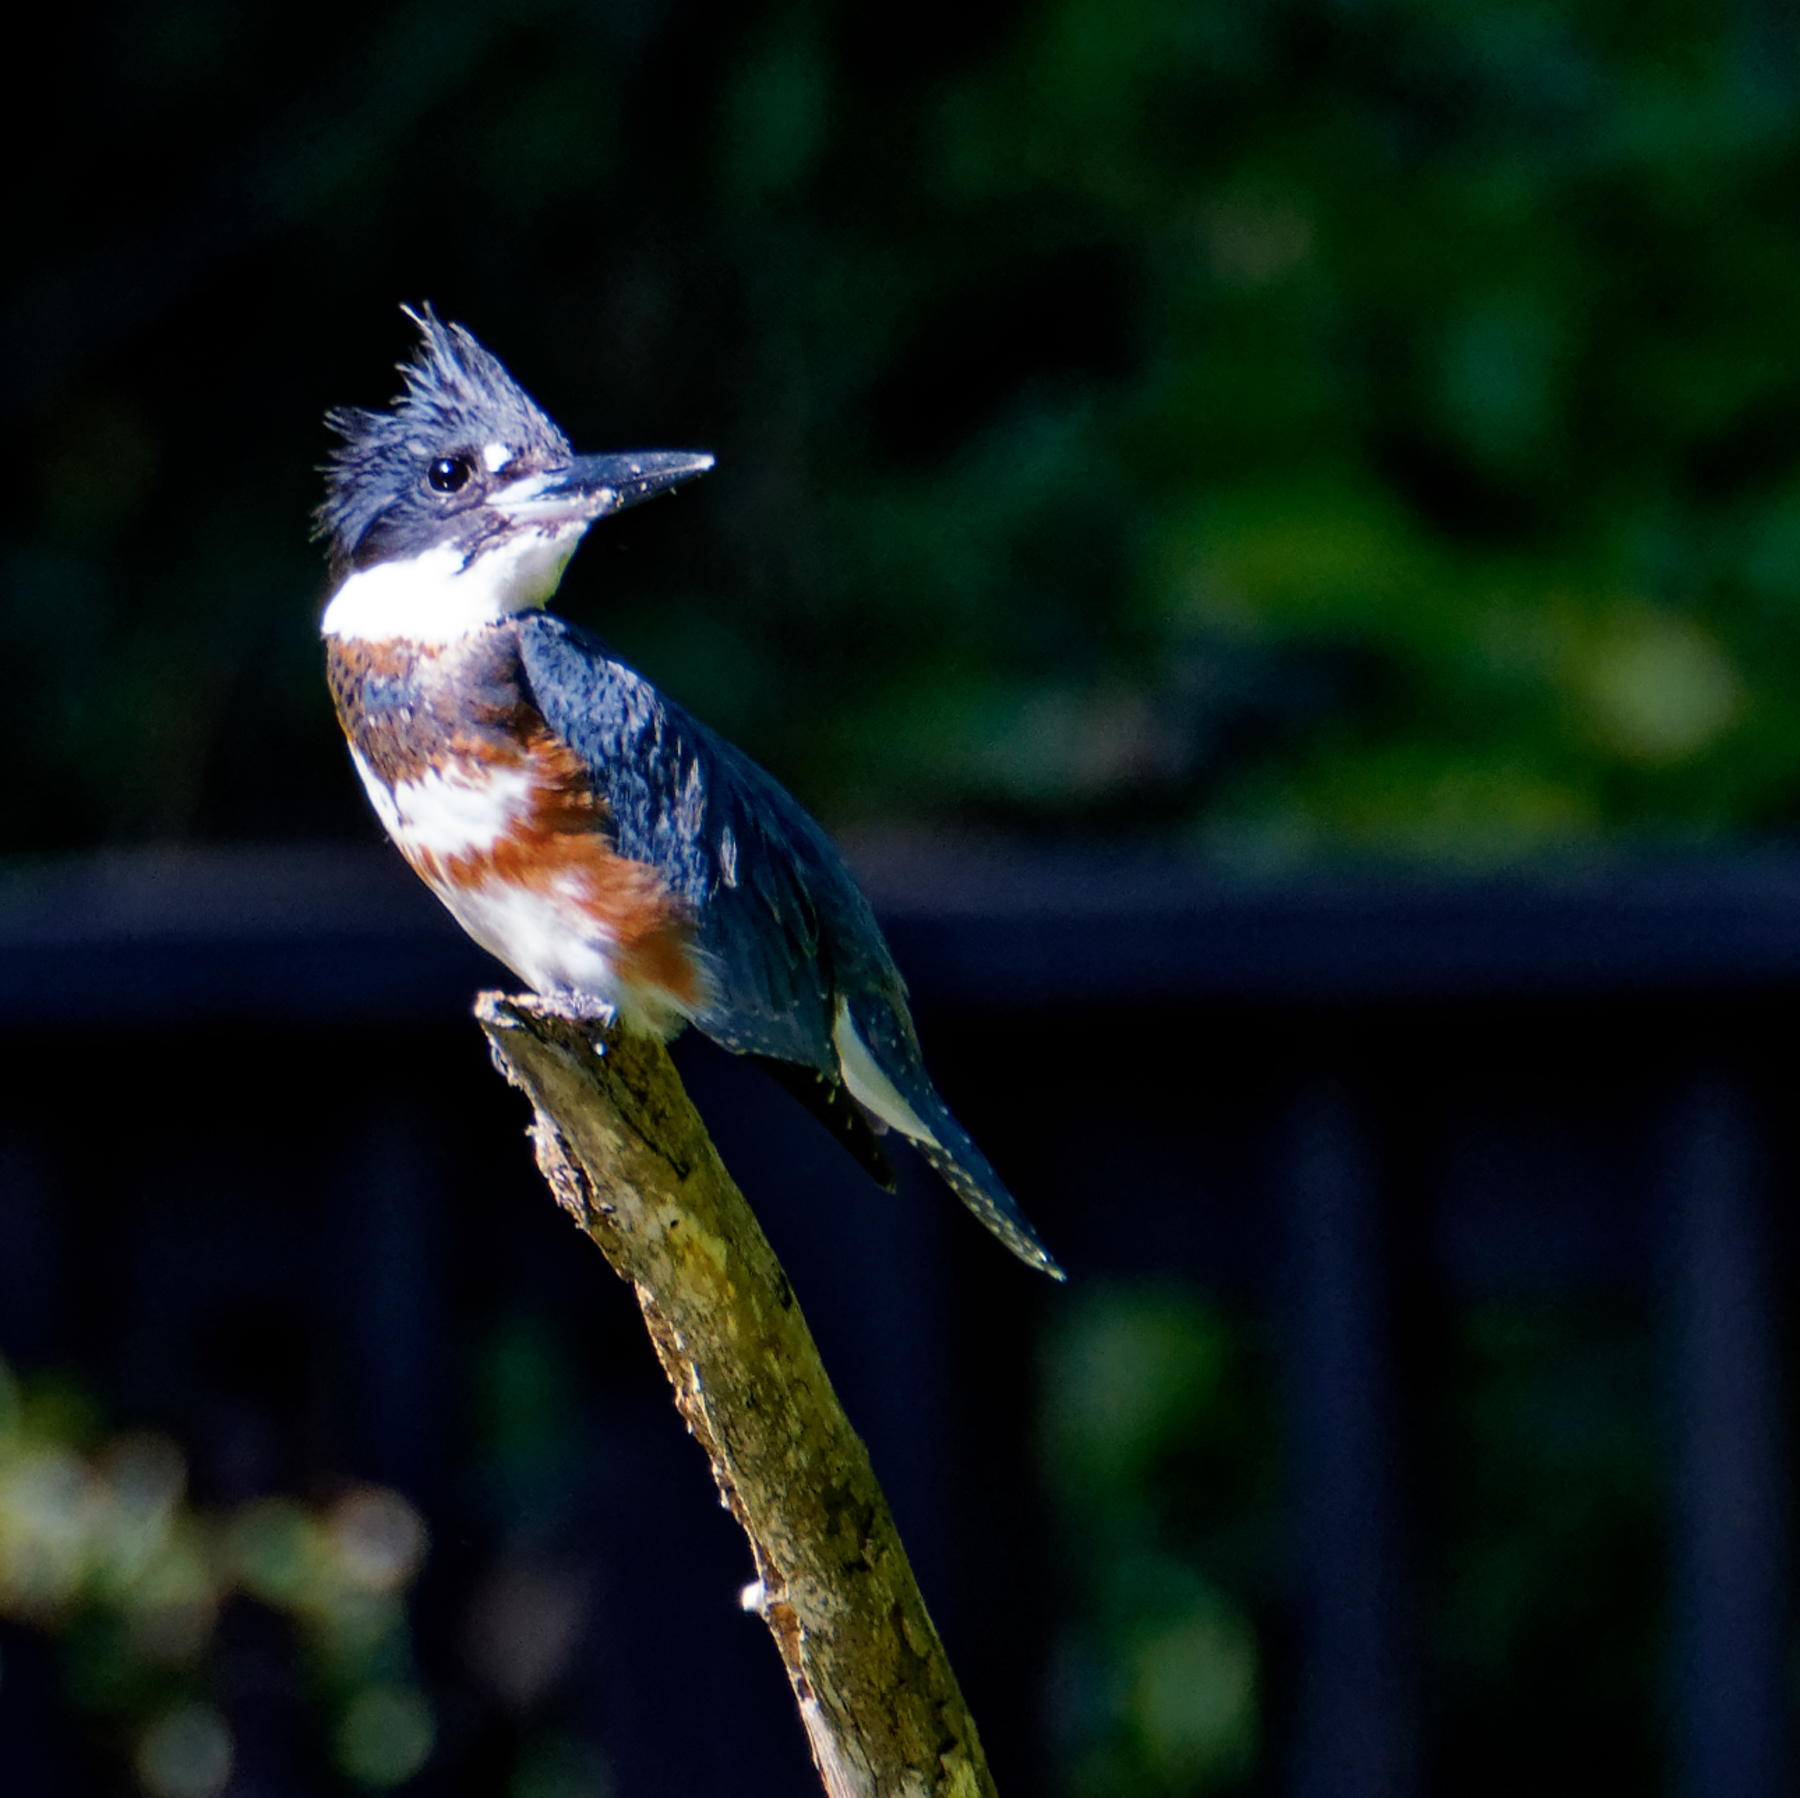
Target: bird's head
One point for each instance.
(462, 503)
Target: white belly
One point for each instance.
(447, 820)
(549, 942)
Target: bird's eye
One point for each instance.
(449, 473)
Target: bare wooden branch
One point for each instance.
(627, 1156)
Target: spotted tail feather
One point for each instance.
(964, 1169)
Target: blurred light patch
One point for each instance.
(100, 1542)
(1499, 374)
(1410, 800)
(174, 1604)
(776, 117)
(1157, 1691)
(185, 1754)
(48, 1514)
(1255, 239)
(1322, 554)
(524, 1625)
(1192, 1698)
(376, 1539)
(147, 1476)
(1063, 743)
(273, 1549)
(1659, 689)
(1126, 1378)
(1771, 551)
(386, 1735)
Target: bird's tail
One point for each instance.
(878, 1055)
(965, 1170)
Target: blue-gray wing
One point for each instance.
(785, 933)
(781, 926)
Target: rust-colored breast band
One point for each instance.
(411, 710)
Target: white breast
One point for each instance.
(439, 595)
(447, 824)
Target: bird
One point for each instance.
(626, 862)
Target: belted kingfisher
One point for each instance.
(618, 856)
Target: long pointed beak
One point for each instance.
(593, 486)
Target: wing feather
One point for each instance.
(784, 934)
(782, 928)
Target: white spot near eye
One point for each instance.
(496, 456)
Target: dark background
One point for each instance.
(1273, 531)
(1281, 426)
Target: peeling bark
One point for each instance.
(627, 1157)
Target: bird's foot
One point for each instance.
(595, 1016)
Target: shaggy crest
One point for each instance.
(458, 398)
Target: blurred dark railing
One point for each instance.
(319, 932)
(1356, 1100)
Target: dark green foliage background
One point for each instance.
(1289, 426)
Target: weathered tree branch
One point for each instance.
(628, 1158)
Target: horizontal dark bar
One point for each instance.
(297, 933)
(328, 932)
(1043, 926)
